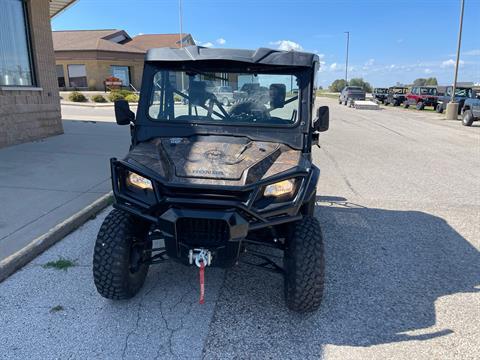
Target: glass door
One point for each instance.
(122, 73)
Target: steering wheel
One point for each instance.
(249, 109)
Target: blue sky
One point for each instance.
(390, 41)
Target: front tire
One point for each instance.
(119, 269)
(304, 266)
(439, 108)
(467, 119)
(420, 105)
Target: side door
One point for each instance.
(411, 96)
(476, 108)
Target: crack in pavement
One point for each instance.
(342, 174)
(139, 307)
(125, 347)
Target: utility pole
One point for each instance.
(180, 18)
(346, 60)
(452, 106)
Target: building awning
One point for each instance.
(57, 6)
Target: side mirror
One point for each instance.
(322, 119)
(123, 114)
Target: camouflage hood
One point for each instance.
(214, 159)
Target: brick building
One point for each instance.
(29, 100)
(85, 58)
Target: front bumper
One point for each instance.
(223, 214)
(220, 232)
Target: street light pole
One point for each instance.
(458, 49)
(452, 106)
(346, 60)
(181, 22)
(180, 17)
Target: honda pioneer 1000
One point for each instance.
(207, 181)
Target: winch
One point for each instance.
(202, 258)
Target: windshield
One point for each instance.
(380, 91)
(224, 98)
(461, 92)
(428, 91)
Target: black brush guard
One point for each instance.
(218, 221)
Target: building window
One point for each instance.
(60, 76)
(122, 73)
(15, 57)
(77, 76)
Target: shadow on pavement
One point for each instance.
(384, 271)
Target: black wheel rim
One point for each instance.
(136, 258)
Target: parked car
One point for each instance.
(461, 93)
(351, 93)
(224, 94)
(471, 111)
(421, 96)
(380, 94)
(396, 95)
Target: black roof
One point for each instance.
(259, 56)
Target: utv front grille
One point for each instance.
(202, 232)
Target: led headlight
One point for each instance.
(138, 181)
(281, 188)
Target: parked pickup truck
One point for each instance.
(380, 94)
(252, 91)
(461, 94)
(421, 96)
(471, 110)
(396, 95)
(351, 93)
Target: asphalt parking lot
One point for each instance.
(399, 203)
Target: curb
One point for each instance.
(16, 261)
(93, 105)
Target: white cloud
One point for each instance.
(369, 62)
(334, 67)
(427, 71)
(287, 45)
(221, 41)
(450, 63)
(475, 52)
(323, 66)
(206, 44)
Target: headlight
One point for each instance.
(138, 181)
(281, 188)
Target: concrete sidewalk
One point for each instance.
(45, 182)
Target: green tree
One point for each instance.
(419, 82)
(360, 82)
(425, 82)
(337, 85)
